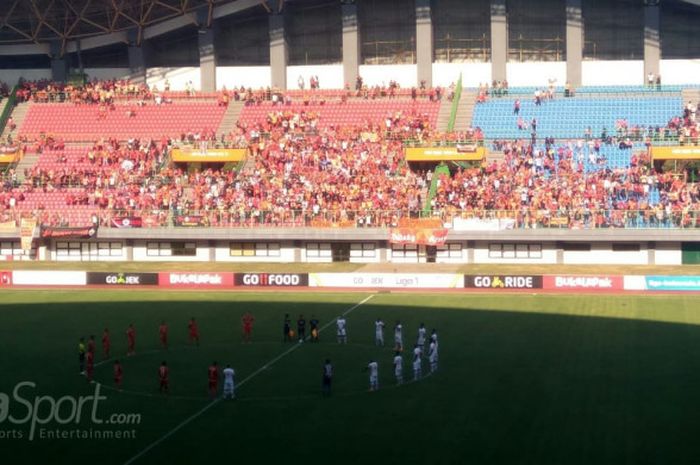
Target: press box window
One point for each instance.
(318, 250)
(362, 250)
(252, 249)
(505, 250)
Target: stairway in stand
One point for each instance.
(18, 115)
(465, 111)
(228, 123)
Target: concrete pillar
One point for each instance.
(207, 60)
(424, 42)
(351, 44)
(59, 64)
(279, 53)
(137, 60)
(499, 40)
(574, 42)
(652, 42)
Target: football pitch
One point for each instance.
(522, 379)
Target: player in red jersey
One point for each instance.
(89, 365)
(163, 333)
(91, 344)
(118, 374)
(131, 340)
(163, 377)
(194, 331)
(106, 343)
(247, 321)
(213, 380)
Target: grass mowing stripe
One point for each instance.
(204, 409)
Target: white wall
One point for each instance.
(247, 76)
(601, 253)
(481, 255)
(405, 75)
(329, 76)
(178, 77)
(668, 253)
(222, 254)
(108, 73)
(473, 74)
(680, 71)
(535, 73)
(617, 73)
(11, 76)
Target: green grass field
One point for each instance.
(523, 379)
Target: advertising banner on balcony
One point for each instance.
(675, 153)
(127, 222)
(83, 232)
(485, 224)
(26, 233)
(8, 226)
(9, 155)
(191, 155)
(464, 152)
(422, 236)
(191, 221)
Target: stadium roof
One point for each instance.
(43, 21)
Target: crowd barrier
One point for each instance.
(229, 280)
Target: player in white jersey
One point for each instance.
(420, 341)
(433, 336)
(417, 364)
(398, 368)
(379, 332)
(228, 383)
(373, 368)
(398, 336)
(433, 356)
(342, 330)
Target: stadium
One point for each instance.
(237, 230)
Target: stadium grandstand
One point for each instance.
(369, 130)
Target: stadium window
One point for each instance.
(109, 249)
(254, 249)
(452, 250)
(524, 251)
(404, 251)
(14, 249)
(183, 249)
(362, 250)
(318, 250)
(68, 249)
(576, 247)
(171, 249)
(626, 247)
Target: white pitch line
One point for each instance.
(197, 414)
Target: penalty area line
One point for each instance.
(214, 402)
